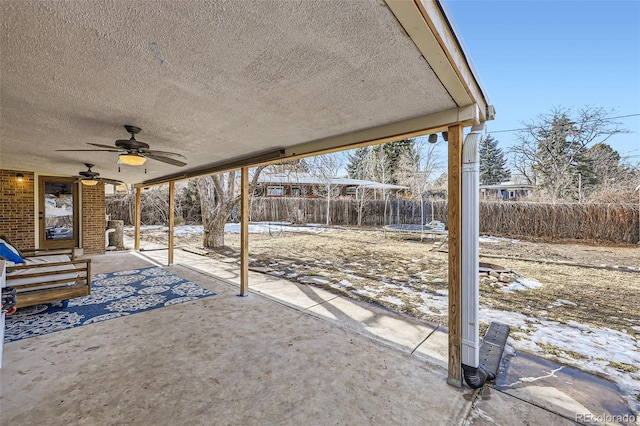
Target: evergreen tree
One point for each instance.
(605, 164)
(395, 153)
(381, 163)
(493, 170)
(598, 167)
(356, 169)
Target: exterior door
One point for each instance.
(58, 212)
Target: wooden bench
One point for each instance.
(49, 276)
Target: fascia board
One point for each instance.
(428, 27)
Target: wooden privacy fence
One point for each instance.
(600, 222)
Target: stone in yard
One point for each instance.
(505, 278)
(485, 281)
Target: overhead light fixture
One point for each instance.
(433, 138)
(19, 177)
(89, 182)
(132, 159)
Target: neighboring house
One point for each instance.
(506, 191)
(311, 186)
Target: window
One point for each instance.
(275, 191)
(296, 191)
(352, 190)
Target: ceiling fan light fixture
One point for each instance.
(89, 182)
(132, 159)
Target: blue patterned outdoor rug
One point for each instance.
(113, 295)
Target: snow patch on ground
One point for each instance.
(234, 228)
(342, 284)
(492, 239)
(261, 227)
(561, 302)
(394, 300)
(586, 348)
(144, 227)
(434, 304)
(364, 293)
(522, 283)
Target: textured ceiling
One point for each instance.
(208, 80)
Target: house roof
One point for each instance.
(508, 185)
(225, 83)
(309, 179)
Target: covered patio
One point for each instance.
(225, 86)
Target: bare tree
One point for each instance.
(218, 197)
(551, 149)
(416, 170)
(326, 167)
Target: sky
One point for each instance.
(532, 56)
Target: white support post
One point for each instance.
(470, 250)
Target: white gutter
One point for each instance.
(473, 375)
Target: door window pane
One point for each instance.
(58, 212)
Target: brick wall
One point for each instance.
(93, 219)
(18, 214)
(17, 208)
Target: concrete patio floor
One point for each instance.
(286, 354)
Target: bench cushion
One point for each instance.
(14, 279)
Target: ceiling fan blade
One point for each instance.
(164, 159)
(111, 181)
(162, 153)
(114, 148)
(92, 150)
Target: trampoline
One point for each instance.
(431, 231)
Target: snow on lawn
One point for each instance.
(492, 239)
(234, 228)
(144, 227)
(435, 303)
(586, 348)
(257, 227)
(522, 283)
